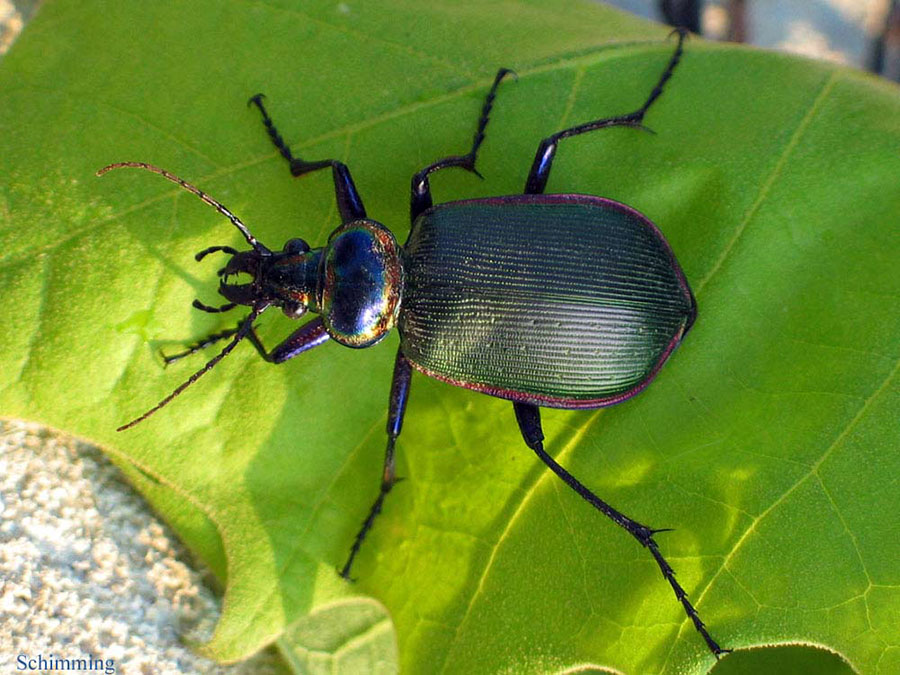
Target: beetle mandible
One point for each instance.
(586, 322)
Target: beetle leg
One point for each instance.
(309, 335)
(543, 158)
(349, 203)
(420, 198)
(529, 418)
(396, 408)
(201, 344)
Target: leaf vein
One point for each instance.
(770, 181)
(527, 494)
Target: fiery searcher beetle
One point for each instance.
(556, 300)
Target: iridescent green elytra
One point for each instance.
(560, 300)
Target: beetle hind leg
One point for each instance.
(421, 190)
(543, 158)
(529, 418)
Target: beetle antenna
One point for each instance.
(241, 333)
(190, 188)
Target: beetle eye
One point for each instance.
(293, 310)
(295, 246)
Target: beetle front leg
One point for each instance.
(396, 408)
(543, 158)
(200, 345)
(529, 418)
(349, 203)
(309, 335)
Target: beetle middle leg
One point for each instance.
(348, 201)
(420, 198)
(543, 158)
(396, 409)
(529, 418)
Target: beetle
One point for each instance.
(554, 300)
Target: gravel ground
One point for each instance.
(87, 572)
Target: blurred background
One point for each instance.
(861, 33)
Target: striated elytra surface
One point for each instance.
(562, 300)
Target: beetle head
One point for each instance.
(278, 278)
(285, 279)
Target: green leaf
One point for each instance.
(354, 636)
(768, 441)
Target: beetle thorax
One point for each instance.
(360, 283)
